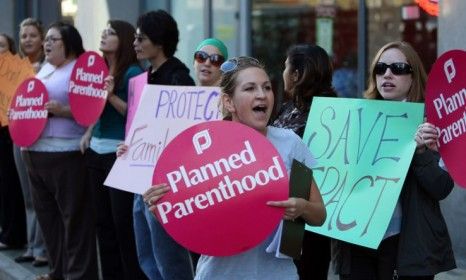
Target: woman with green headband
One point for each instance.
(209, 55)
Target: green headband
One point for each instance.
(216, 43)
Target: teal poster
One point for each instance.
(364, 149)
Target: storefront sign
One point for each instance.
(430, 6)
(446, 109)
(163, 112)
(86, 88)
(27, 115)
(221, 175)
(363, 149)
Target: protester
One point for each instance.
(7, 44)
(308, 73)
(247, 97)
(208, 57)
(416, 244)
(31, 37)
(114, 215)
(12, 216)
(156, 39)
(60, 194)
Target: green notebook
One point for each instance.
(293, 231)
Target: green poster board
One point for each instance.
(364, 149)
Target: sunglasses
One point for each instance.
(139, 37)
(215, 59)
(397, 68)
(232, 64)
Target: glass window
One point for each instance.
(225, 23)
(189, 17)
(402, 20)
(276, 25)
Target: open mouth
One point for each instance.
(260, 109)
(388, 85)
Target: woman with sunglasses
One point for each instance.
(209, 55)
(247, 97)
(114, 207)
(416, 244)
(308, 73)
(155, 40)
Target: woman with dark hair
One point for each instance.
(61, 196)
(31, 38)
(308, 73)
(155, 40)
(7, 44)
(416, 244)
(114, 208)
(12, 217)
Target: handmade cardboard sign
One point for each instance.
(86, 88)
(28, 115)
(163, 112)
(221, 175)
(364, 149)
(135, 88)
(446, 109)
(13, 71)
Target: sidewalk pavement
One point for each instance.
(10, 270)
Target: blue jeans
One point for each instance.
(160, 257)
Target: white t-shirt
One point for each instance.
(256, 264)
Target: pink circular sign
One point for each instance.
(221, 175)
(445, 108)
(86, 88)
(27, 116)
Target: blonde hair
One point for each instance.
(228, 82)
(419, 76)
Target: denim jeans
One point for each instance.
(160, 257)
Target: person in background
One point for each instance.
(416, 245)
(61, 196)
(31, 36)
(308, 73)
(345, 78)
(156, 39)
(12, 216)
(114, 214)
(7, 44)
(209, 55)
(245, 87)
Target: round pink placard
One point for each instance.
(86, 88)
(221, 175)
(445, 108)
(28, 116)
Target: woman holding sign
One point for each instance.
(31, 36)
(61, 196)
(416, 244)
(114, 207)
(247, 97)
(308, 73)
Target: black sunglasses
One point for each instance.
(215, 59)
(397, 68)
